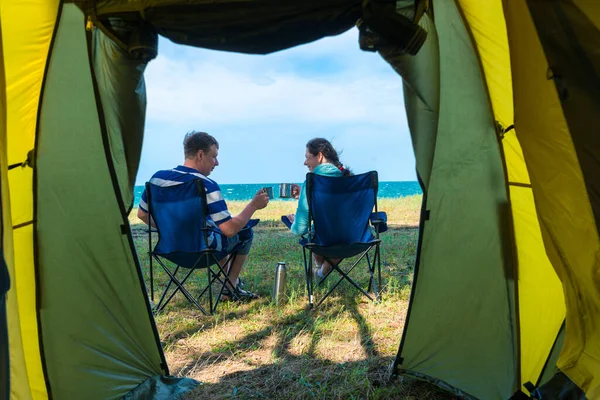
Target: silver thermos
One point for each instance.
(279, 283)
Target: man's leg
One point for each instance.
(234, 268)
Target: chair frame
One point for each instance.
(206, 257)
(308, 250)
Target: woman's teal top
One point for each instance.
(300, 225)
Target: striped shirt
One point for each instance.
(217, 208)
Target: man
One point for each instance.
(201, 151)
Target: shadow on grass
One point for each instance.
(306, 375)
(288, 353)
(289, 378)
(198, 322)
(365, 331)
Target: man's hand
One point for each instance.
(291, 217)
(295, 191)
(260, 200)
(235, 224)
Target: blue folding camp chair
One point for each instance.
(186, 239)
(343, 222)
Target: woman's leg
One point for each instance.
(324, 266)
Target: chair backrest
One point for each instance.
(339, 207)
(179, 213)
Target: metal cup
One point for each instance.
(269, 191)
(285, 190)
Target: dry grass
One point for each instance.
(287, 352)
(342, 350)
(403, 211)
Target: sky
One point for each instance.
(262, 109)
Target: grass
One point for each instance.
(342, 350)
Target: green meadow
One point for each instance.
(262, 350)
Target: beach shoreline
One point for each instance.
(401, 211)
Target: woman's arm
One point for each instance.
(300, 225)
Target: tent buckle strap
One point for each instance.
(501, 130)
(531, 388)
(381, 25)
(21, 225)
(27, 163)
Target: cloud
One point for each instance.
(215, 89)
(263, 109)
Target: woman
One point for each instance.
(321, 159)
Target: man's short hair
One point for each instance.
(194, 141)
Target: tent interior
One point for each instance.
(505, 298)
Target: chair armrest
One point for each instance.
(286, 221)
(251, 223)
(379, 221)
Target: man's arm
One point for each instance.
(143, 215)
(235, 224)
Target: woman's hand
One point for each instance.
(291, 217)
(295, 191)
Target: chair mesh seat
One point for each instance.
(343, 222)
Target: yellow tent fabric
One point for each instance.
(562, 199)
(541, 304)
(25, 54)
(502, 100)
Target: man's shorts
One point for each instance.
(240, 242)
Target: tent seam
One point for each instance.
(514, 322)
(119, 199)
(36, 262)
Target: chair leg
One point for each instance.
(345, 276)
(164, 293)
(209, 284)
(226, 278)
(370, 273)
(309, 277)
(179, 287)
(376, 282)
(215, 276)
(150, 256)
(378, 270)
(373, 284)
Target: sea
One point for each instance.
(245, 191)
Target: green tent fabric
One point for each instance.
(505, 296)
(467, 189)
(121, 87)
(254, 27)
(84, 225)
(421, 74)
(161, 387)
